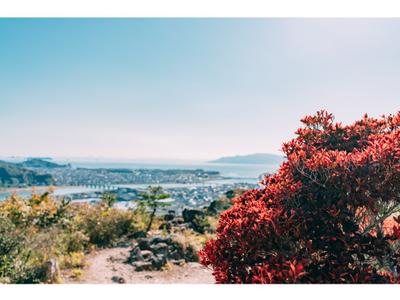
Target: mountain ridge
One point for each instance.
(255, 158)
(14, 175)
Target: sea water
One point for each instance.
(232, 173)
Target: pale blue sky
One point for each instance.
(186, 88)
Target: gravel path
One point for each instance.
(108, 266)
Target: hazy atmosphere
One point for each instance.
(186, 88)
(199, 151)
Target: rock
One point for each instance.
(135, 255)
(158, 239)
(147, 255)
(143, 266)
(112, 259)
(125, 244)
(154, 253)
(160, 248)
(144, 243)
(159, 261)
(139, 234)
(52, 271)
(178, 262)
(175, 246)
(190, 254)
(176, 254)
(118, 279)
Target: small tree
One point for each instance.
(109, 199)
(151, 201)
(328, 215)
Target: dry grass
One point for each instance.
(189, 238)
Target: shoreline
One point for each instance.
(31, 188)
(64, 190)
(130, 185)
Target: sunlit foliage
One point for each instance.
(328, 215)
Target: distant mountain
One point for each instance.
(42, 158)
(40, 163)
(14, 175)
(258, 158)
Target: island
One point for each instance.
(40, 163)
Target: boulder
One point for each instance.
(143, 243)
(153, 253)
(159, 261)
(135, 255)
(159, 248)
(158, 239)
(174, 254)
(143, 266)
(147, 255)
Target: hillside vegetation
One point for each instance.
(41, 237)
(15, 175)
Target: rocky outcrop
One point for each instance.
(150, 254)
(171, 220)
(195, 219)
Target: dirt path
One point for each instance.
(108, 266)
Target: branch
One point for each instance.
(394, 209)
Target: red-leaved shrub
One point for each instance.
(328, 215)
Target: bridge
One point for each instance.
(101, 187)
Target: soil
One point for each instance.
(109, 266)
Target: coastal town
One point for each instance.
(185, 187)
(180, 197)
(107, 177)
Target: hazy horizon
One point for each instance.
(186, 89)
(122, 159)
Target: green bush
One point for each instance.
(104, 225)
(14, 254)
